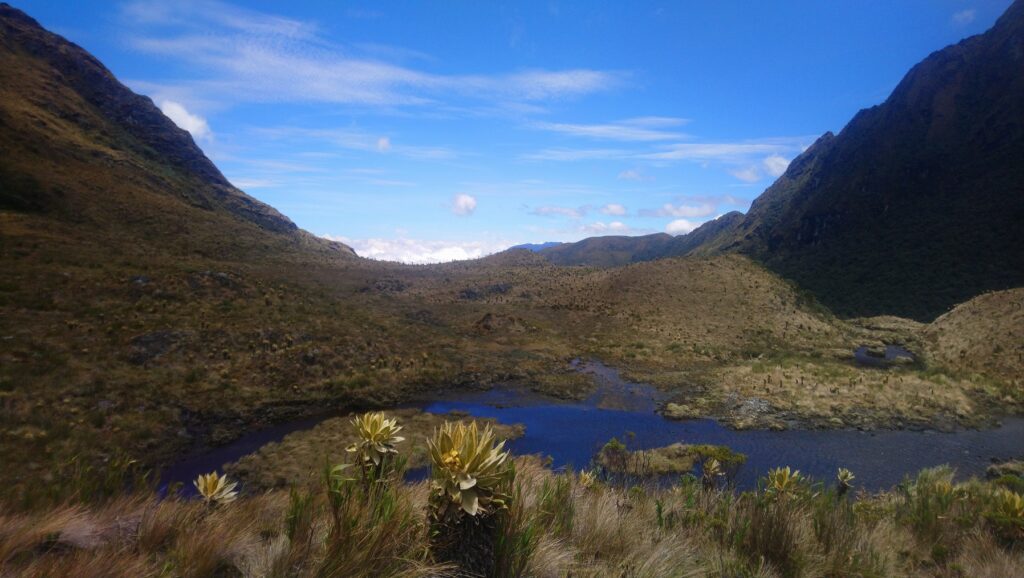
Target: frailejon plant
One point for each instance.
(712, 473)
(783, 482)
(471, 483)
(215, 489)
(844, 481)
(1006, 515)
(375, 449)
(587, 479)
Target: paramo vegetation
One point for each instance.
(484, 512)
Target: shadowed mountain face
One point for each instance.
(77, 144)
(915, 206)
(918, 203)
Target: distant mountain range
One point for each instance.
(916, 205)
(536, 247)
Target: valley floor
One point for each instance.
(154, 357)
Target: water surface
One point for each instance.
(571, 432)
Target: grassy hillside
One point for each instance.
(982, 337)
(916, 204)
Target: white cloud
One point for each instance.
(555, 211)
(747, 174)
(689, 211)
(420, 251)
(680, 227)
(185, 12)
(634, 175)
(246, 184)
(463, 204)
(775, 165)
(194, 124)
(354, 139)
(602, 228)
(634, 129)
(730, 153)
(578, 154)
(614, 209)
(964, 17)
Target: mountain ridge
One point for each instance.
(914, 206)
(68, 96)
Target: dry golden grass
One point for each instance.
(984, 336)
(928, 529)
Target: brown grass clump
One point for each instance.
(556, 526)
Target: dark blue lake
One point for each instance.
(571, 432)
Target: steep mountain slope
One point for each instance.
(79, 146)
(914, 206)
(918, 203)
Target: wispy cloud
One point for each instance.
(670, 210)
(649, 128)
(735, 152)
(355, 139)
(555, 211)
(602, 228)
(614, 209)
(246, 184)
(749, 174)
(634, 175)
(964, 17)
(248, 56)
(567, 154)
(776, 165)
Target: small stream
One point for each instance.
(572, 432)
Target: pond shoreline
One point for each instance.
(616, 401)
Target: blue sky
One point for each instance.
(445, 130)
